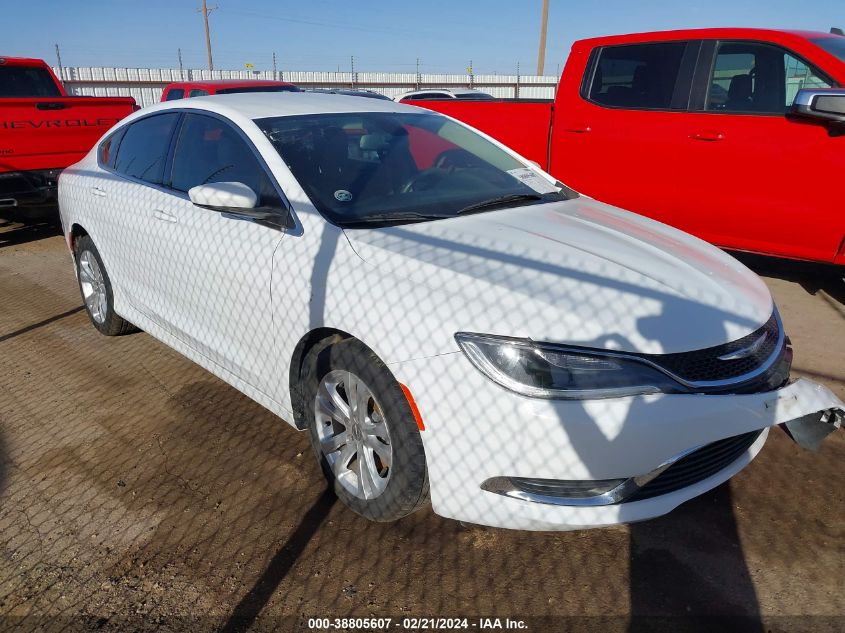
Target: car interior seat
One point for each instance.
(740, 93)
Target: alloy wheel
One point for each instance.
(353, 434)
(93, 286)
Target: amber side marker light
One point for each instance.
(413, 406)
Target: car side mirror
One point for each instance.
(821, 104)
(237, 201)
(223, 196)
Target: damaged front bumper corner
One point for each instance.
(809, 431)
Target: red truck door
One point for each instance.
(768, 177)
(619, 126)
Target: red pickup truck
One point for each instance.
(42, 131)
(734, 135)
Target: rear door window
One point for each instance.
(198, 92)
(758, 78)
(143, 150)
(637, 76)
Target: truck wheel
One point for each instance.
(363, 431)
(96, 290)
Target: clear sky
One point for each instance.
(382, 35)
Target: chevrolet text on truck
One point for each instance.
(42, 131)
(733, 135)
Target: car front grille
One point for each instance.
(697, 466)
(709, 365)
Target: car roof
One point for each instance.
(21, 61)
(259, 105)
(707, 33)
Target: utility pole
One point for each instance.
(418, 74)
(59, 58)
(181, 71)
(205, 10)
(275, 75)
(541, 54)
(352, 61)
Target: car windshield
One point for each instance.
(225, 91)
(366, 168)
(833, 45)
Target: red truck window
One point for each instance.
(637, 76)
(758, 78)
(27, 81)
(175, 93)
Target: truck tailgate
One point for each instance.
(522, 125)
(49, 133)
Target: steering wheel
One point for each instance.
(456, 158)
(425, 180)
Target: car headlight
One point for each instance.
(552, 371)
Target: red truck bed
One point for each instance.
(42, 131)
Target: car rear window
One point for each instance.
(637, 76)
(24, 81)
(175, 93)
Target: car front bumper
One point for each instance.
(476, 431)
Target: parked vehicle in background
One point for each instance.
(462, 94)
(349, 92)
(187, 89)
(42, 131)
(734, 135)
(438, 314)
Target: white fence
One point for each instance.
(146, 84)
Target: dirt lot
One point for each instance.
(138, 492)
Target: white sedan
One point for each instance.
(447, 321)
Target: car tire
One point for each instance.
(378, 432)
(96, 290)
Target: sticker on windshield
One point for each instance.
(342, 195)
(532, 179)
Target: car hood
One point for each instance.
(578, 272)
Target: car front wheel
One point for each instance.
(364, 432)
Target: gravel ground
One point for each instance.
(138, 492)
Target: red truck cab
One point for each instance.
(42, 131)
(186, 89)
(697, 129)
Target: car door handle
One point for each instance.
(158, 214)
(583, 129)
(708, 136)
(98, 191)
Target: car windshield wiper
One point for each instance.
(399, 216)
(501, 200)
